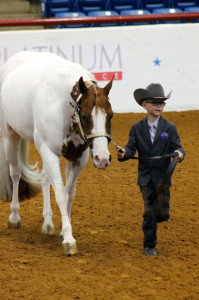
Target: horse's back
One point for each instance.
(38, 87)
(35, 69)
(42, 61)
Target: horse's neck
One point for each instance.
(71, 131)
(73, 128)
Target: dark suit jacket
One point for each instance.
(166, 141)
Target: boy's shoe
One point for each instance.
(150, 251)
(163, 218)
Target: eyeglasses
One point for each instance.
(156, 103)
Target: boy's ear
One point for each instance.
(143, 104)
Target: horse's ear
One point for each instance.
(108, 87)
(82, 87)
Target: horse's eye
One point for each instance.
(85, 118)
(110, 116)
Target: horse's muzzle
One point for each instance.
(101, 162)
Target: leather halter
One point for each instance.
(87, 137)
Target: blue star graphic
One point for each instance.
(157, 62)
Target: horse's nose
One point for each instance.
(101, 162)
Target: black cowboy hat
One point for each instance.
(154, 92)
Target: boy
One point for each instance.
(152, 136)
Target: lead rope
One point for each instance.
(116, 146)
(172, 154)
(168, 172)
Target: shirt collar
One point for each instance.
(154, 123)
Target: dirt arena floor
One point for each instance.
(106, 218)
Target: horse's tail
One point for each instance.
(29, 185)
(30, 182)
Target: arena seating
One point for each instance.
(104, 13)
(131, 12)
(89, 5)
(119, 5)
(53, 8)
(185, 3)
(167, 11)
(50, 7)
(192, 9)
(153, 4)
(71, 14)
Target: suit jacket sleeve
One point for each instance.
(175, 141)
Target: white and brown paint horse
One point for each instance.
(56, 104)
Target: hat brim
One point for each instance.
(141, 95)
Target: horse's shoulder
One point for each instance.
(71, 151)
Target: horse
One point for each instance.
(58, 105)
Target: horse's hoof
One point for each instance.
(48, 229)
(12, 225)
(70, 249)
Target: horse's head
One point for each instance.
(95, 113)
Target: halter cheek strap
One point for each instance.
(78, 98)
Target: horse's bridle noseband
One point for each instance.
(87, 137)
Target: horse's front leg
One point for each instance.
(51, 167)
(68, 242)
(48, 226)
(73, 170)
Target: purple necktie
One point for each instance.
(152, 132)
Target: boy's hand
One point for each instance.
(180, 155)
(120, 153)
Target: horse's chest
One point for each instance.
(71, 151)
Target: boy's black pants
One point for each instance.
(156, 209)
